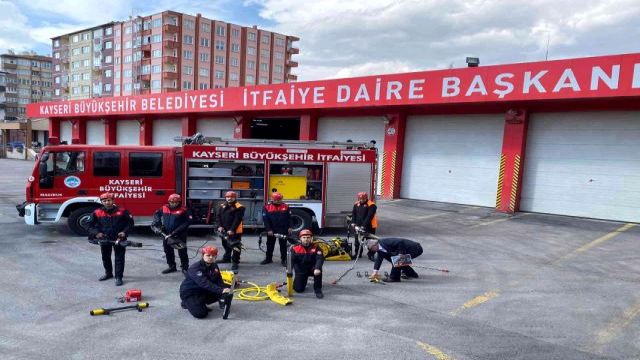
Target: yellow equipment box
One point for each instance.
(290, 186)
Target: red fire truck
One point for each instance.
(318, 180)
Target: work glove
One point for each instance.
(317, 272)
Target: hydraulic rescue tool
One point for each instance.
(102, 311)
(227, 298)
(172, 240)
(120, 241)
(337, 249)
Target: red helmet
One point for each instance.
(305, 232)
(231, 194)
(209, 250)
(362, 195)
(175, 198)
(276, 196)
(106, 196)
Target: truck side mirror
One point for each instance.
(46, 180)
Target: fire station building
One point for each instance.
(558, 137)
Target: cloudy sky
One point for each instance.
(344, 38)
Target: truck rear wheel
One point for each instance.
(78, 220)
(300, 219)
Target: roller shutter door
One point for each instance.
(128, 132)
(95, 132)
(222, 128)
(165, 130)
(358, 129)
(452, 158)
(583, 164)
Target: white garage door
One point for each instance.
(452, 158)
(358, 129)
(128, 132)
(66, 131)
(165, 130)
(95, 132)
(222, 128)
(583, 164)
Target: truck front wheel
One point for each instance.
(300, 219)
(78, 220)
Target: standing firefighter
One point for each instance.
(172, 222)
(229, 219)
(364, 215)
(203, 284)
(111, 222)
(307, 260)
(390, 247)
(277, 220)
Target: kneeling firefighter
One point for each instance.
(307, 260)
(203, 284)
(172, 222)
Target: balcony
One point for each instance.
(170, 75)
(170, 44)
(292, 50)
(291, 63)
(144, 77)
(146, 32)
(146, 47)
(292, 77)
(170, 28)
(170, 60)
(169, 89)
(7, 65)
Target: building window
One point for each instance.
(203, 72)
(108, 59)
(263, 80)
(204, 42)
(219, 74)
(219, 59)
(251, 50)
(219, 45)
(108, 73)
(75, 77)
(116, 74)
(127, 59)
(86, 63)
(156, 38)
(235, 33)
(85, 49)
(156, 23)
(127, 30)
(250, 79)
(264, 66)
(56, 55)
(57, 92)
(203, 86)
(265, 39)
(118, 45)
(251, 36)
(116, 89)
(188, 39)
(187, 85)
(187, 70)
(156, 69)
(128, 73)
(127, 87)
(220, 30)
(108, 45)
(235, 48)
(75, 51)
(146, 69)
(57, 67)
(56, 43)
(233, 76)
(206, 27)
(189, 24)
(127, 44)
(279, 55)
(264, 52)
(108, 31)
(204, 57)
(277, 69)
(155, 84)
(251, 64)
(107, 87)
(75, 38)
(187, 54)
(86, 76)
(86, 89)
(157, 53)
(234, 61)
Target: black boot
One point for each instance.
(319, 294)
(118, 281)
(266, 261)
(170, 269)
(105, 277)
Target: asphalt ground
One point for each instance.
(527, 286)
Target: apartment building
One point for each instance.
(165, 52)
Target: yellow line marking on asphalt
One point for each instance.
(475, 302)
(616, 326)
(434, 351)
(424, 217)
(499, 220)
(597, 242)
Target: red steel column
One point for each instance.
(189, 125)
(514, 142)
(308, 127)
(110, 132)
(54, 127)
(78, 131)
(146, 131)
(392, 155)
(243, 127)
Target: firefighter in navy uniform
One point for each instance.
(277, 220)
(229, 219)
(173, 221)
(364, 215)
(202, 284)
(111, 222)
(388, 247)
(307, 260)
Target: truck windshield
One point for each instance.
(67, 162)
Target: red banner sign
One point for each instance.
(594, 77)
(278, 154)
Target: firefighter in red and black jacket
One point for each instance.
(307, 260)
(277, 220)
(172, 222)
(229, 219)
(111, 222)
(364, 215)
